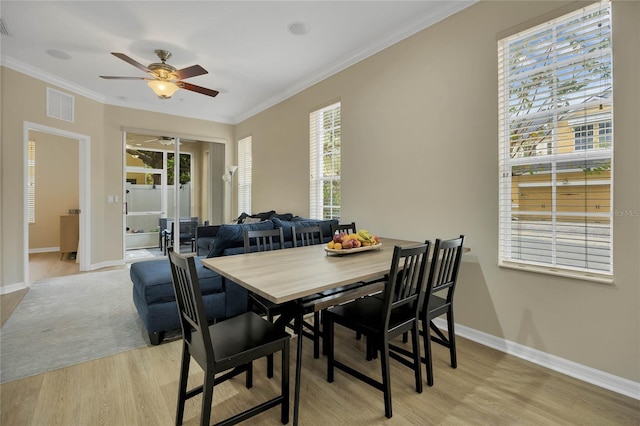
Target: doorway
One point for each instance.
(159, 173)
(73, 201)
(186, 169)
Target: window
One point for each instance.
(556, 146)
(31, 181)
(244, 175)
(583, 137)
(325, 146)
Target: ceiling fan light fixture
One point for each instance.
(164, 89)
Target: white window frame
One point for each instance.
(245, 167)
(540, 148)
(324, 143)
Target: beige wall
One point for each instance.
(23, 100)
(57, 189)
(419, 160)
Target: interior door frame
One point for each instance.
(210, 183)
(84, 176)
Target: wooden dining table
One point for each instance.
(287, 276)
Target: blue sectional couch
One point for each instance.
(153, 293)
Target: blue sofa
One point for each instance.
(153, 293)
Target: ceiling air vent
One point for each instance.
(59, 105)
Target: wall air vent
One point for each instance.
(59, 105)
(3, 28)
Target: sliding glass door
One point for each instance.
(150, 193)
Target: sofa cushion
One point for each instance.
(152, 280)
(204, 245)
(230, 236)
(299, 222)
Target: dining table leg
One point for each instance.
(296, 394)
(293, 311)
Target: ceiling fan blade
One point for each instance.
(197, 89)
(131, 61)
(111, 77)
(191, 71)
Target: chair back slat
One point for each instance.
(306, 235)
(407, 280)
(264, 239)
(445, 265)
(349, 228)
(190, 304)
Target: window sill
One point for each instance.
(602, 278)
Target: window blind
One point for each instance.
(324, 159)
(31, 181)
(556, 146)
(244, 174)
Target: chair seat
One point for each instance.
(436, 303)
(365, 315)
(260, 333)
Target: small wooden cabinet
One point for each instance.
(69, 234)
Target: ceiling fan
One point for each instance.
(166, 79)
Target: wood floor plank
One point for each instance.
(139, 388)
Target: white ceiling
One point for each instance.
(252, 58)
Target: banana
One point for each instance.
(364, 235)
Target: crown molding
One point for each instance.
(49, 78)
(449, 9)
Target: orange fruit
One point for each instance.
(337, 246)
(330, 245)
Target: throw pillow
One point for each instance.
(241, 218)
(283, 216)
(264, 215)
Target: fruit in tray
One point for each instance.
(344, 241)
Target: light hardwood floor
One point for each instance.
(139, 387)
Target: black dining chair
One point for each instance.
(306, 236)
(264, 240)
(382, 319)
(447, 257)
(227, 347)
(349, 228)
(443, 276)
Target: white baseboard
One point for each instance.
(581, 372)
(44, 250)
(5, 289)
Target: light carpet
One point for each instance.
(68, 320)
